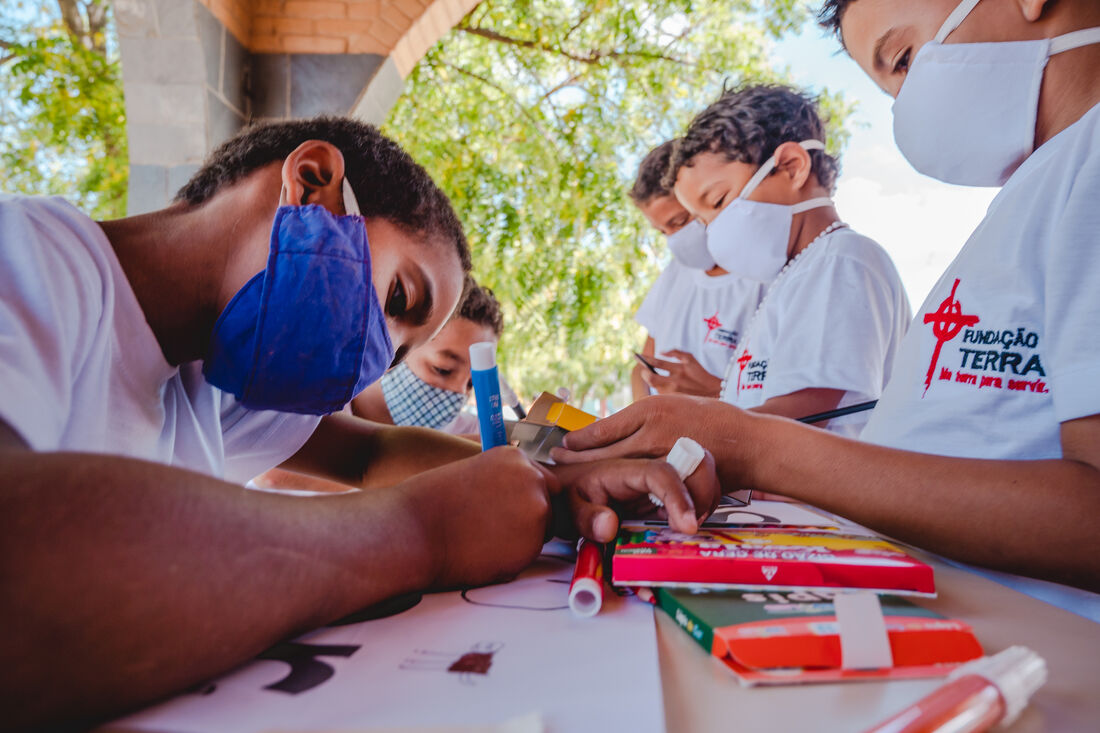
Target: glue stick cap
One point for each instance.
(1017, 672)
(483, 355)
(685, 457)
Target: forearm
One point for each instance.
(802, 403)
(125, 580)
(1026, 517)
(372, 455)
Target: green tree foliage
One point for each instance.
(62, 117)
(533, 116)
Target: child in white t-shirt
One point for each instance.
(985, 446)
(696, 312)
(753, 167)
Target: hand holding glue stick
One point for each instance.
(483, 373)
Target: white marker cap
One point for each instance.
(483, 355)
(685, 457)
(585, 597)
(1017, 672)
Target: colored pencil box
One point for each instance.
(784, 638)
(748, 558)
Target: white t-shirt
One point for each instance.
(80, 368)
(833, 319)
(686, 309)
(1005, 348)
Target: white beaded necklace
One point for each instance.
(763, 301)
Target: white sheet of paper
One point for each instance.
(482, 656)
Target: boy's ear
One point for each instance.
(1032, 9)
(794, 163)
(313, 174)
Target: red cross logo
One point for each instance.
(712, 322)
(947, 323)
(742, 362)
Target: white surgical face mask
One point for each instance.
(751, 237)
(412, 401)
(966, 111)
(689, 246)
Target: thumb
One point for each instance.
(594, 522)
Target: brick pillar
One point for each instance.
(196, 71)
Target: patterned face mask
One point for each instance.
(412, 401)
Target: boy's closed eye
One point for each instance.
(397, 303)
(901, 64)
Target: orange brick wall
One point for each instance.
(333, 26)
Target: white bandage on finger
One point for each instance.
(685, 457)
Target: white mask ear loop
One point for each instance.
(351, 204)
(817, 203)
(955, 19)
(1058, 44)
(1074, 39)
(769, 165)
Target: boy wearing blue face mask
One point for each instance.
(985, 446)
(427, 389)
(150, 362)
(696, 312)
(752, 167)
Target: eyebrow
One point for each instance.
(880, 45)
(447, 353)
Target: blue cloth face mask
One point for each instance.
(308, 333)
(412, 401)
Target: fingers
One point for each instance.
(593, 521)
(661, 481)
(632, 446)
(703, 485)
(670, 366)
(682, 356)
(625, 482)
(607, 431)
(659, 383)
(553, 486)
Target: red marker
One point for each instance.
(586, 590)
(977, 696)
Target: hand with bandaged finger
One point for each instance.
(685, 375)
(594, 493)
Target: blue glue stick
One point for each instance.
(483, 372)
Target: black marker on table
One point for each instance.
(840, 412)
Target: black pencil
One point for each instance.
(841, 412)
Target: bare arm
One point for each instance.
(1028, 517)
(1033, 518)
(803, 403)
(368, 454)
(125, 580)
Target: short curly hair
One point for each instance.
(481, 306)
(831, 15)
(650, 183)
(387, 182)
(747, 125)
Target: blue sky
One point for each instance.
(921, 222)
